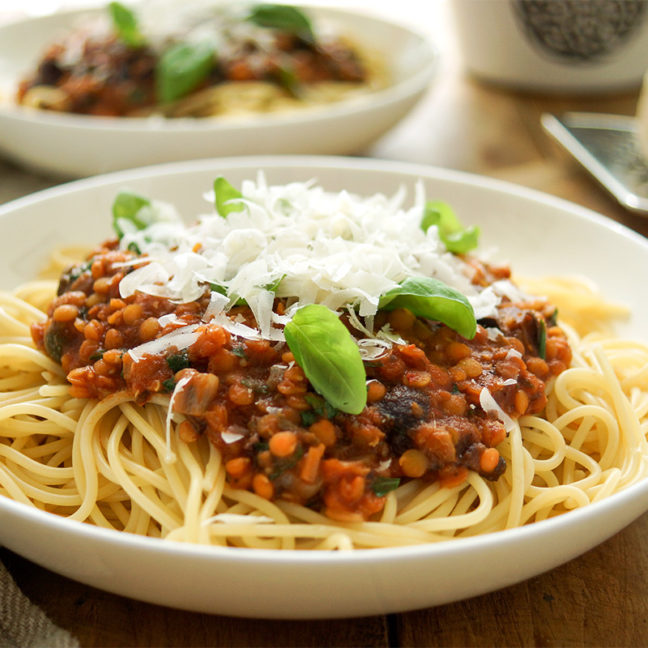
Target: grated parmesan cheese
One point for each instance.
(335, 249)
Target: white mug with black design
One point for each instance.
(576, 46)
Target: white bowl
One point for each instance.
(81, 145)
(536, 232)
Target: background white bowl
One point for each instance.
(82, 145)
(536, 232)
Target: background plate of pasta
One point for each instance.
(92, 91)
(402, 386)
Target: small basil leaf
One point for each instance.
(553, 318)
(126, 207)
(225, 193)
(439, 213)
(542, 338)
(329, 356)
(383, 485)
(462, 242)
(181, 69)
(283, 17)
(218, 288)
(125, 24)
(453, 234)
(432, 299)
(274, 285)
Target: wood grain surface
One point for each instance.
(598, 599)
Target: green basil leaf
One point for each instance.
(383, 485)
(462, 242)
(126, 207)
(453, 234)
(329, 356)
(181, 69)
(218, 288)
(553, 318)
(274, 285)
(432, 299)
(542, 338)
(283, 17)
(125, 24)
(224, 192)
(439, 213)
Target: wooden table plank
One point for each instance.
(599, 599)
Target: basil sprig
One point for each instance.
(432, 299)
(453, 234)
(224, 193)
(127, 206)
(125, 25)
(181, 69)
(284, 18)
(329, 356)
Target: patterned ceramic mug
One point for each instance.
(555, 45)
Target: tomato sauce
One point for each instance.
(110, 78)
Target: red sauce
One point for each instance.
(110, 78)
(278, 437)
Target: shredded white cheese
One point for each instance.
(336, 249)
(181, 338)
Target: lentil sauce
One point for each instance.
(278, 437)
(110, 78)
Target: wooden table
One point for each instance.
(599, 599)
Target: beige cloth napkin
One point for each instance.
(23, 624)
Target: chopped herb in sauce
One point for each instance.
(178, 361)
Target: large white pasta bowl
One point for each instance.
(535, 232)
